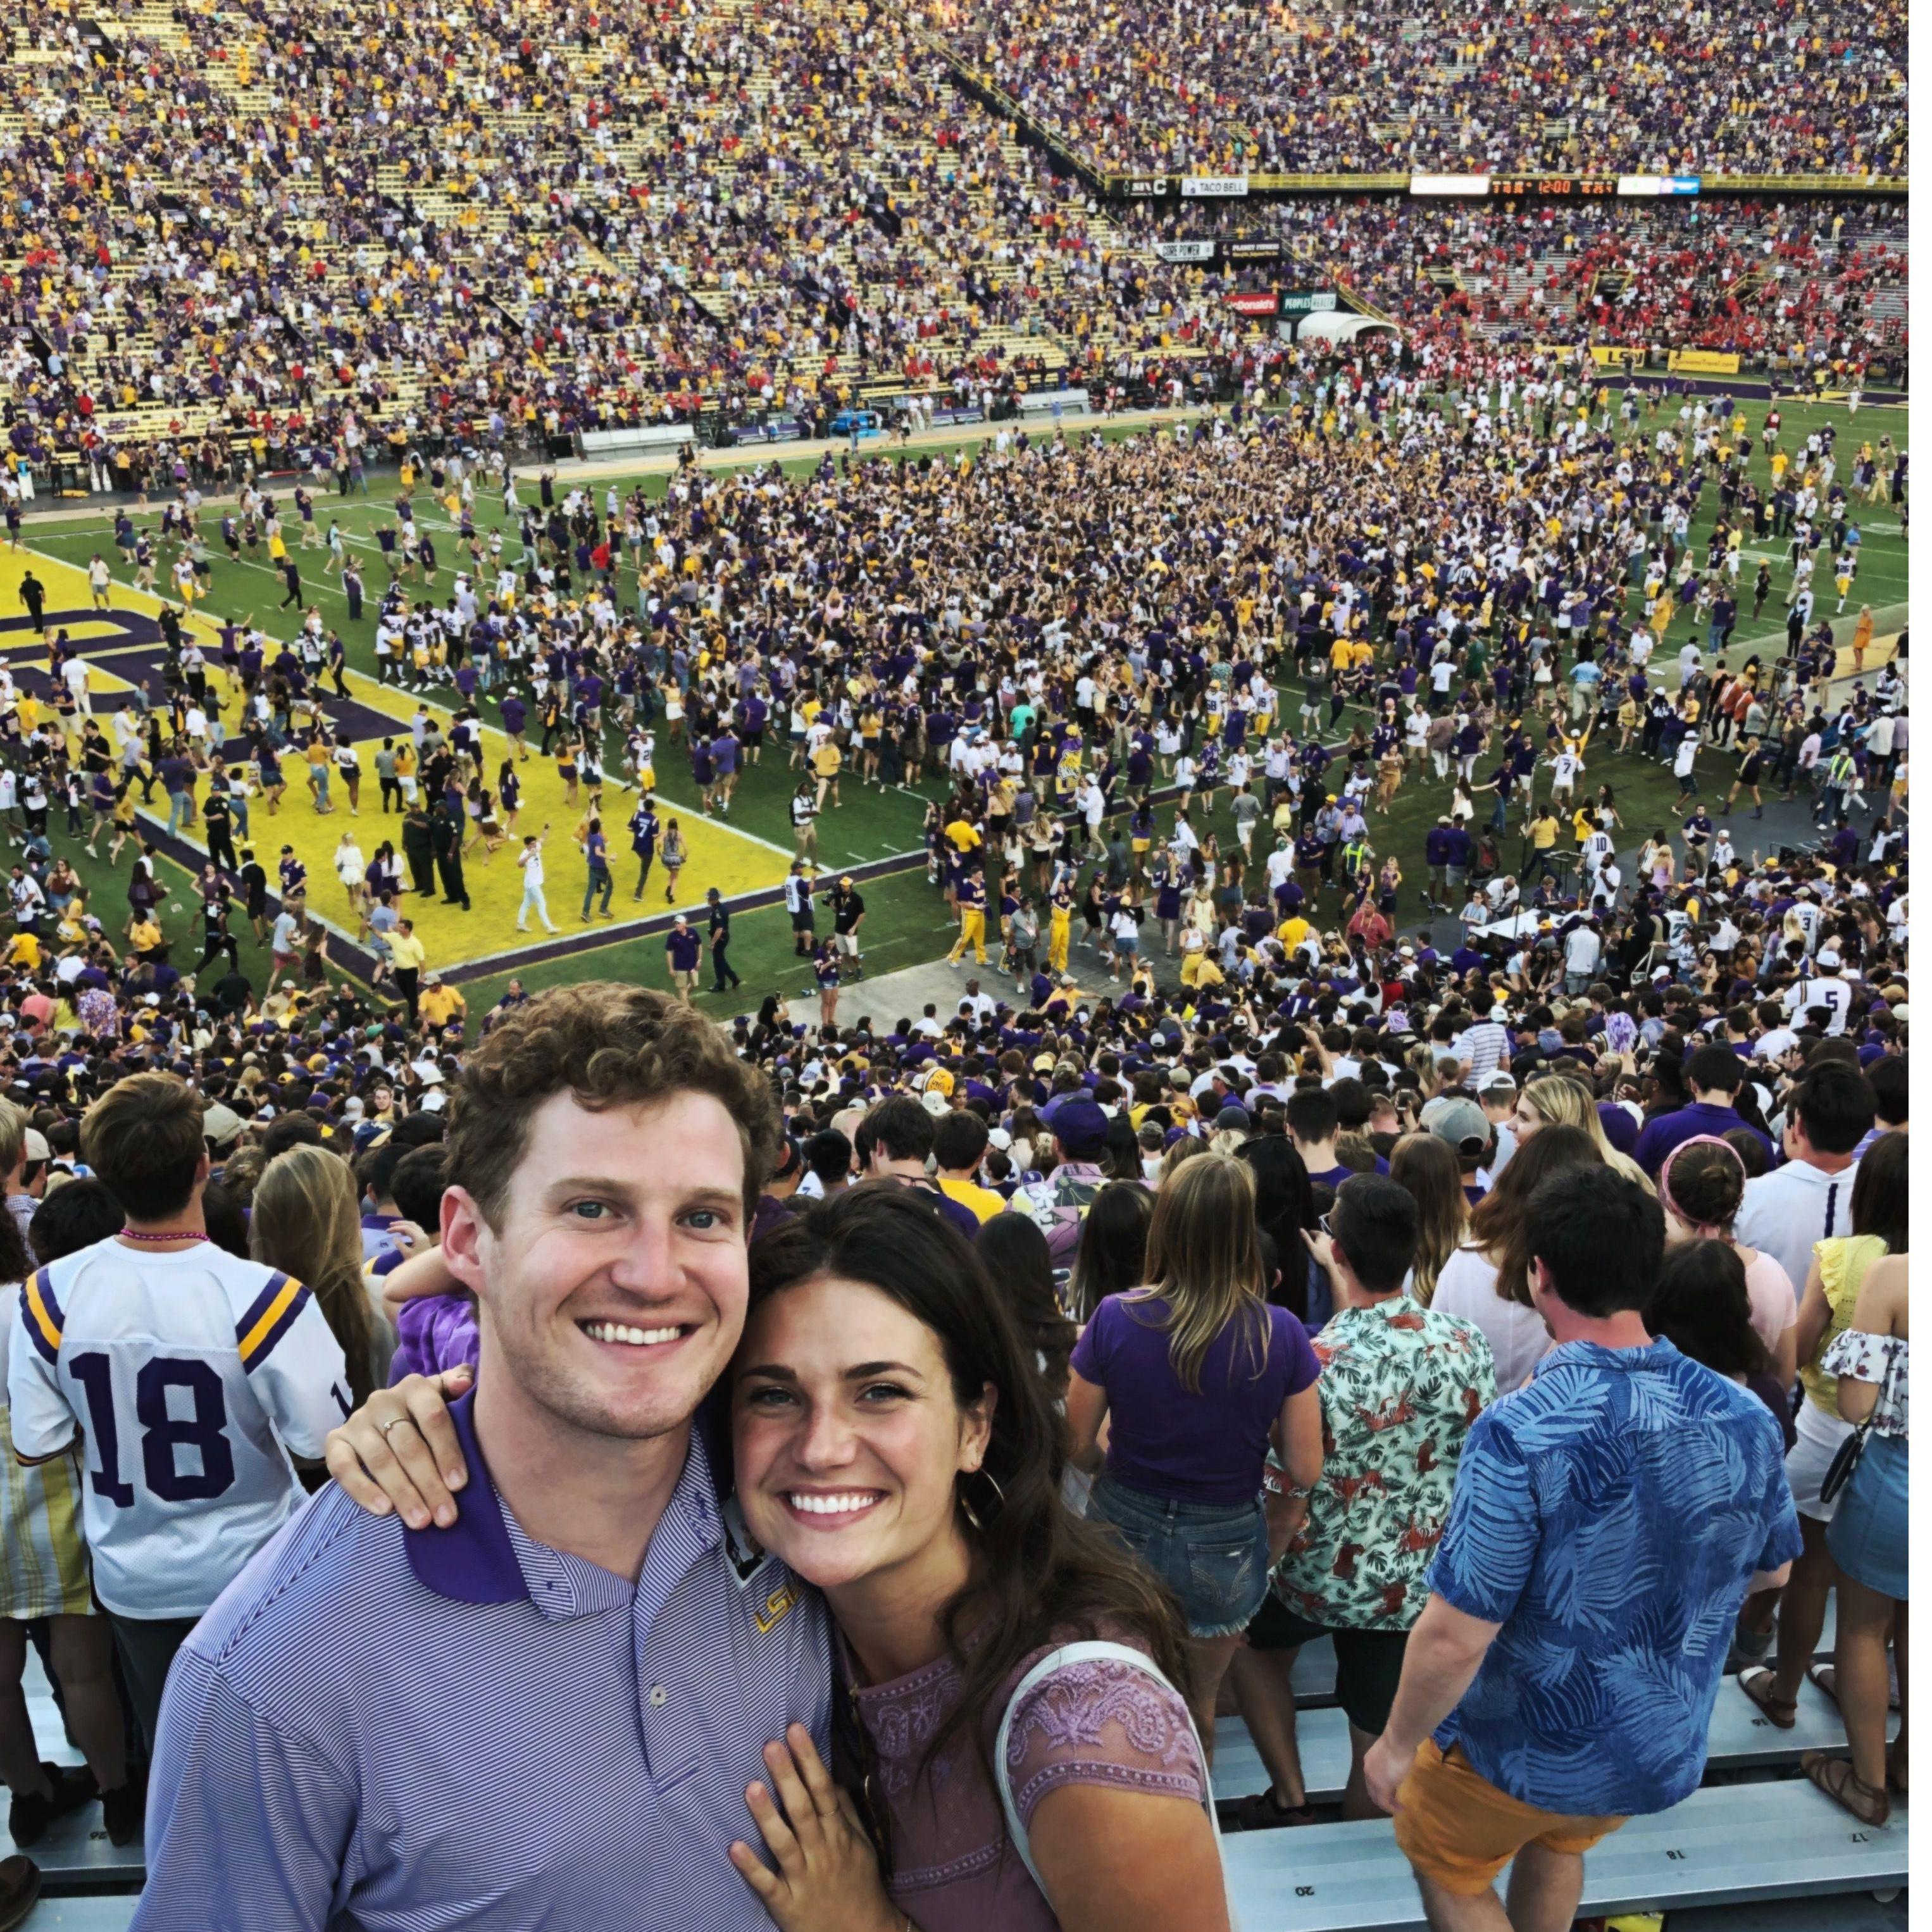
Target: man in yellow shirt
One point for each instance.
(958, 1146)
(440, 1004)
(826, 762)
(406, 963)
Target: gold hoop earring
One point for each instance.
(972, 1515)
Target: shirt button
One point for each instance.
(658, 1693)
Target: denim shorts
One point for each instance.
(1213, 1556)
(1867, 1535)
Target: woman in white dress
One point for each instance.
(352, 869)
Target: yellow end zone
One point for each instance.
(735, 862)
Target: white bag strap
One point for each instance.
(1092, 1650)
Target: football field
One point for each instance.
(123, 648)
(874, 832)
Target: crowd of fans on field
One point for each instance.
(1507, 633)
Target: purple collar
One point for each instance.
(472, 1561)
(475, 1561)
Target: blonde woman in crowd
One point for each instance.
(1426, 1165)
(306, 1221)
(1556, 1100)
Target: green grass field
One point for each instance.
(907, 921)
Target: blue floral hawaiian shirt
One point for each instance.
(1609, 1514)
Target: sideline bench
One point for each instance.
(602, 442)
(1064, 402)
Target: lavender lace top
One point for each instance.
(1098, 1722)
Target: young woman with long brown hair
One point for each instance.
(1486, 1280)
(1426, 1165)
(304, 1220)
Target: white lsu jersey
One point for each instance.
(192, 1375)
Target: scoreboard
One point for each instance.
(1555, 188)
(1552, 185)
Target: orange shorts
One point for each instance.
(1459, 1830)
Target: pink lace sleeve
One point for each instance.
(1100, 1721)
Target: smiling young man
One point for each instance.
(549, 1711)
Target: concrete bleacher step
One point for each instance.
(1742, 1739)
(1728, 1844)
(75, 1856)
(82, 1915)
(1314, 1676)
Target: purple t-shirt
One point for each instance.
(1167, 1441)
(433, 1333)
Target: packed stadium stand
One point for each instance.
(226, 218)
(1135, 87)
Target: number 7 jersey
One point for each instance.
(192, 1376)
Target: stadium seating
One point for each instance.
(1141, 88)
(1723, 1845)
(1741, 1739)
(1779, 281)
(751, 211)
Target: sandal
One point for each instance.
(1834, 1777)
(1825, 1676)
(1756, 1684)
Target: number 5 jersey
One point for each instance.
(192, 1376)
